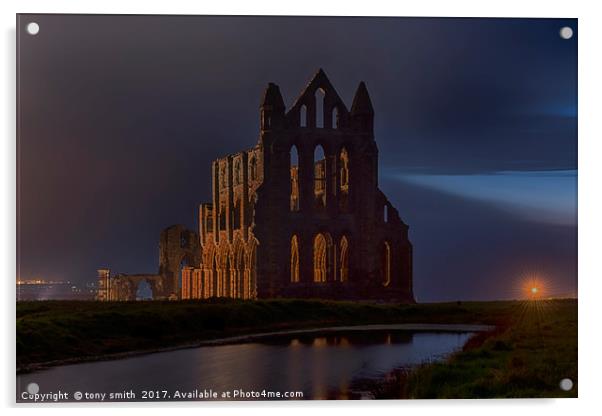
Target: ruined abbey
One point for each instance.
(298, 215)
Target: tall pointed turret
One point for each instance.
(272, 108)
(362, 112)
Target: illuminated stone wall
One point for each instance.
(317, 226)
(314, 225)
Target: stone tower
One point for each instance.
(301, 214)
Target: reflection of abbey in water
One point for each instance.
(298, 215)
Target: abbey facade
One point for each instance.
(298, 215)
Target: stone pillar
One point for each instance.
(186, 290)
(311, 111)
(230, 199)
(197, 284)
(216, 206)
(306, 258)
(306, 179)
(244, 204)
(104, 285)
(331, 182)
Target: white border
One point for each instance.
(590, 206)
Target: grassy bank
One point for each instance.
(532, 349)
(56, 330)
(527, 358)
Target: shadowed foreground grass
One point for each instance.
(56, 330)
(533, 347)
(528, 358)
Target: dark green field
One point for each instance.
(533, 347)
(526, 358)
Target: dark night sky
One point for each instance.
(476, 123)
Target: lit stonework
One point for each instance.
(104, 289)
(298, 215)
(284, 222)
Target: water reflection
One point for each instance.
(328, 365)
(357, 338)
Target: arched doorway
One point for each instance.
(144, 291)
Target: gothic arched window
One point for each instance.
(294, 259)
(323, 254)
(344, 259)
(303, 116)
(253, 168)
(335, 118)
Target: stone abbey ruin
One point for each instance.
(298, 215)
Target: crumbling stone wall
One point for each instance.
(179, 248)
(124, 287)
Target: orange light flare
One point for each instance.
(536, 291)
(534, 288)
